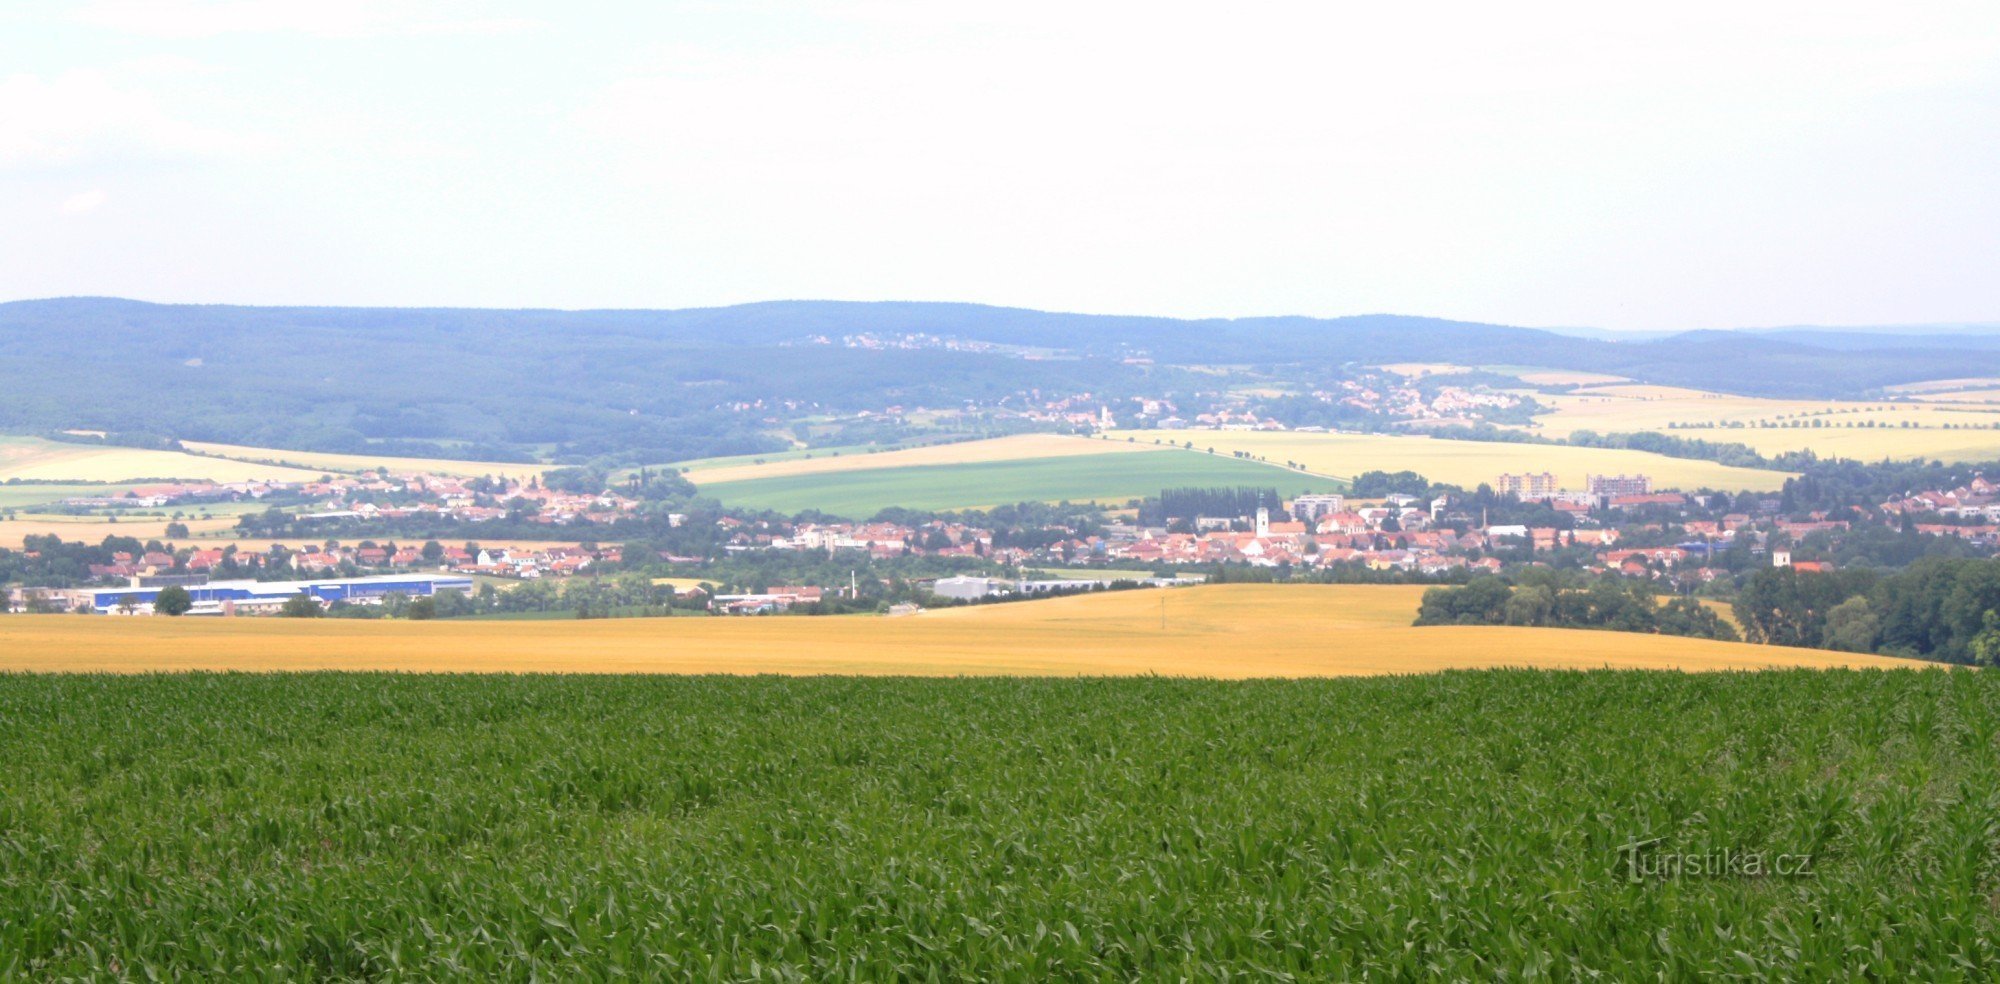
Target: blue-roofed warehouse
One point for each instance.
(227, 597)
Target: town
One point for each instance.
(358, 540)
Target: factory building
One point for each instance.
(254, 597)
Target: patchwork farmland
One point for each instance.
(1933, 426)
(1099, 471)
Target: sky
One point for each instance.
(1626, 166)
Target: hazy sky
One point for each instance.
(1677, 166)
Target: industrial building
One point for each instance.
(253, 597)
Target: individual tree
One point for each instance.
(173, 600)
(1852, 625)
(1985, 647)
(301, 605)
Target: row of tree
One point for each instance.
(1543, 598)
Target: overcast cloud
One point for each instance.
(1683, 166)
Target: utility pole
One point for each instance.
(1163, 611)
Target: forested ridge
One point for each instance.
(665, 385)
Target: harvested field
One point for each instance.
(93, 529)
(1465, 463)
(52, 461)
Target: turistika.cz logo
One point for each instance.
(1641, 861)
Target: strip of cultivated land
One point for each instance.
(1454, 827)
(1226, 631)
(1114, 478)
(1012, 448)
(326, 461)
(1860, 429)
(53, 461)
(1463, 463)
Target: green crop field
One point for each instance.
(42, 493)
(1459, 826)
(973, 485)
(1112, 477)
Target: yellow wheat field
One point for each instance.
(328, 462)
(1011, 448)
(32, 458)
(1849, 429)
(1229, 631)
(93, 529)
(1465, 463)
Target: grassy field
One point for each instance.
(1466, 463)
(1453, 827)
(53, 461)
(1018, 447)
(797, 454)
(1231, 631)
(39, 494)
(325, 462)
(1119, 474)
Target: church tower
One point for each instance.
(1263, 521)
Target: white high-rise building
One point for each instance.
(1313, 505)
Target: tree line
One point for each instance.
(1543, 598)
(1191, 502)
(1940, 608)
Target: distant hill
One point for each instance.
(1934, 337)
(672, 384)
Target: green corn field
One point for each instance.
(1465, 826)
